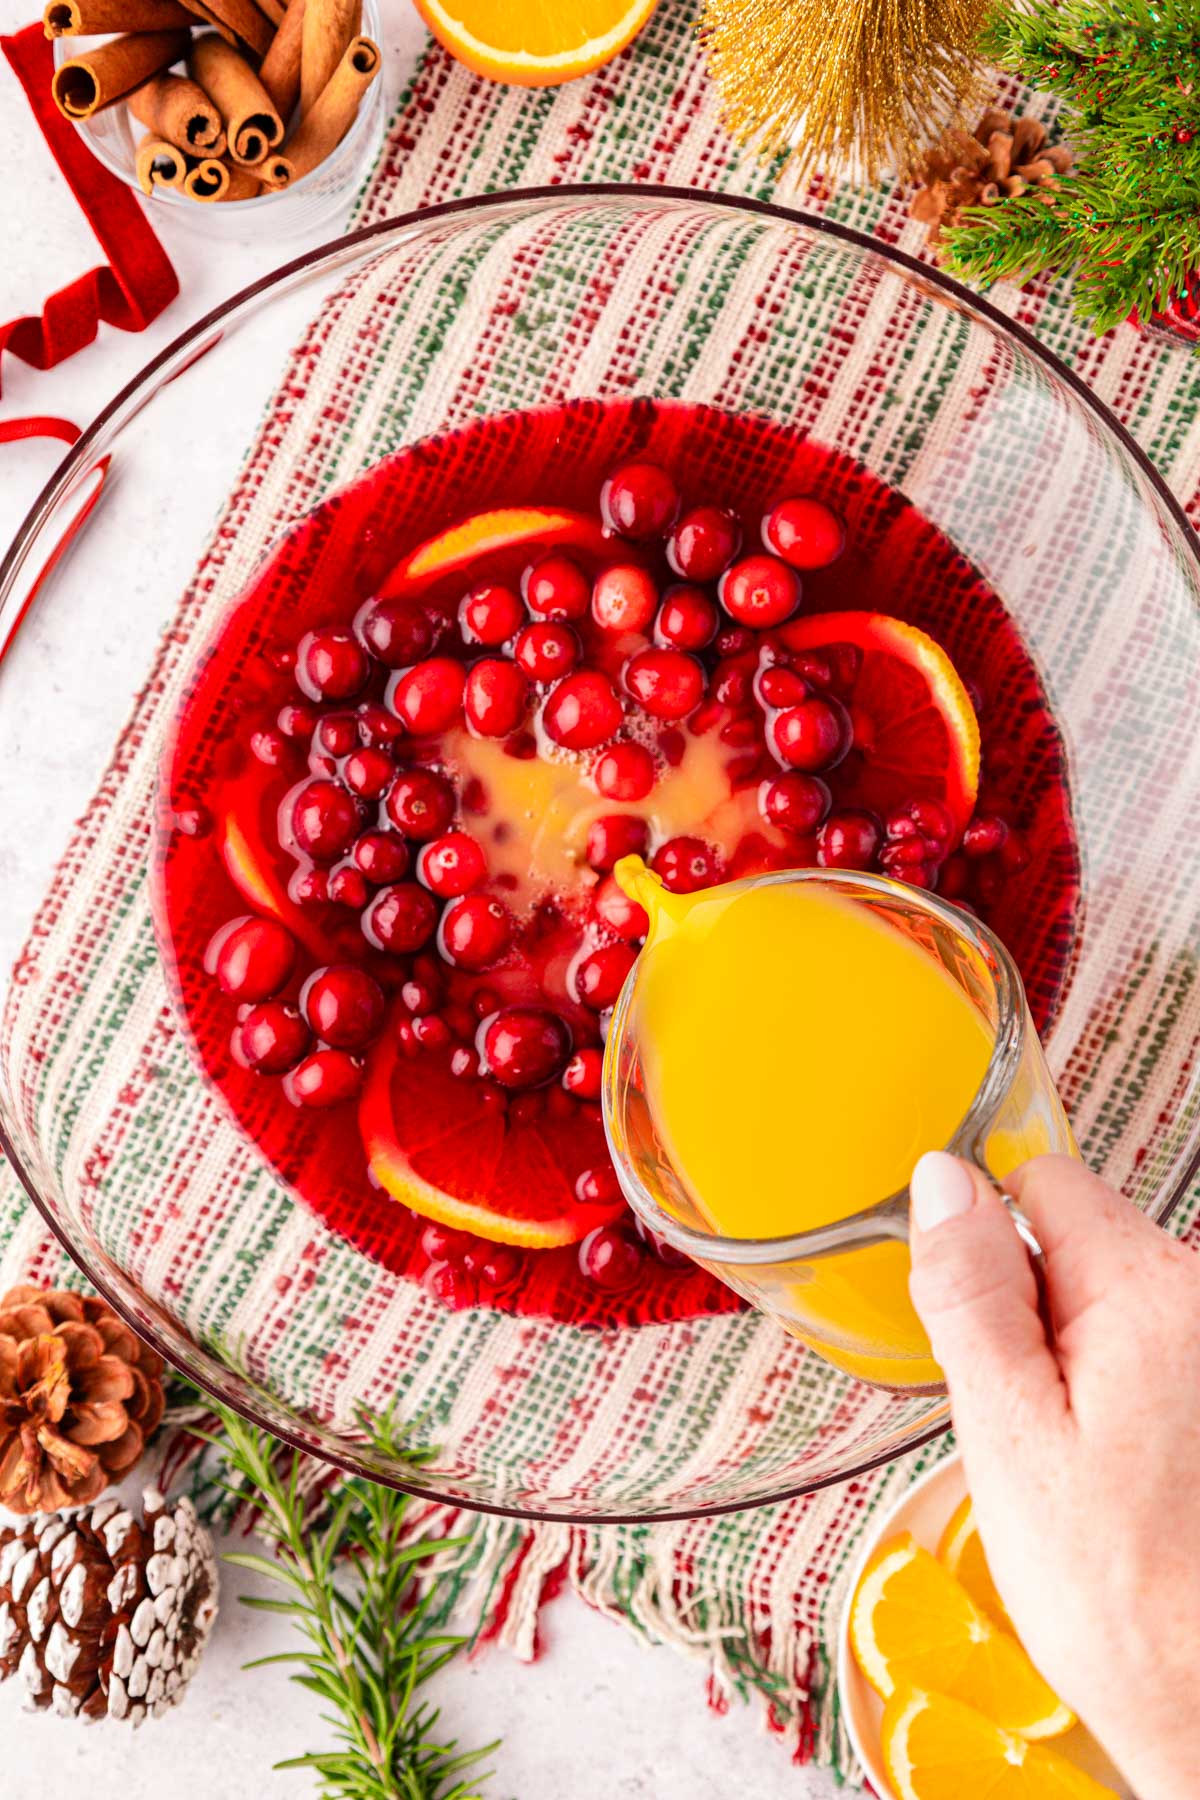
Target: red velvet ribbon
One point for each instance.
(138, 280)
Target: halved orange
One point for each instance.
(913, 1626)
(916, 736)
(961, 1551)
(486, 533)
(534, 43)
(935, 1748)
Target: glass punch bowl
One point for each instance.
(290, 390)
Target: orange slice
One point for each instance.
(961, 1551)
(935, 1748)
(913, 1626)
(486, 533)
(534, 43)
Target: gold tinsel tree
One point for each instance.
(857, 85)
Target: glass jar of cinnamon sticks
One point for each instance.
(238, 115)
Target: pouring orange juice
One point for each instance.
(785, 1050)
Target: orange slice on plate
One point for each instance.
(485, 534)
(961, 1551)
(913, 1626)
(935, 1748)
(534, 43)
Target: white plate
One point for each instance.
(925, 1510)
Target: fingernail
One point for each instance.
(941, 1188)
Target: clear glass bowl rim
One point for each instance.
(346, 248)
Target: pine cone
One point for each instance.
(103, 1616)
(80, 1395)
(1004, 158)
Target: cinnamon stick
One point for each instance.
(243, 184)
(171, 107)
(208, 180)
(276, 11)
(80, 18)
(199, 11)
(276, 172)
(87, 84)
(252, 126)
(280, 71)
(330, 26)
(241, 17)
(159, 164)
(322, 129)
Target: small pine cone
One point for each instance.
(80, 1396)
(1001, 159)
(103, 1615)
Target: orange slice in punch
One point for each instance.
(486, 534)
(938, 1749)
(534, 43)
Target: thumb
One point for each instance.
(974, 1289)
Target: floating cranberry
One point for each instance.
(344, 1005)
(496, 697)
(475, 931)
(330, 665)
(525, 1046)
(908, 853)
(600, 977)
(760, 591)
(400, 918)
(296, 721)
(805, 532)
(325, 820)
(192, 821)
(381, 856)
(583, 711)
(452, 865)
(464, 1063)
(639, 500)
(420, 803)
(271, 1038)
(441, 1243)
(849, 840)
(624, 772)
(610, 1259)
(624, 598)
(396, 632)
(613, 836)
(490, 614)
(556, 588)
(780, 687)
(348, 887)
(326, 1078)
(428, 697)
(614, 908)
(368, 773)
(308, 887)
(668, 684)
(704, 543)
(598, 1186)
(546, 651)
(322, 765)
(377, 727)
(734, 641)
(268, 747)
(814, 669)
(686, 864)
(500, 1267)
(732, 679)
(431, 1031)
(812, 736)
(582, 1074)
(928, 820)
(985, 835)
(687, 618)
(796, 803)
(337, 734)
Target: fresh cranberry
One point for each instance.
(704, 543)
(325, 820)
(464, 1063)
(598, 1186)
(624, 598)
(686, 864)
(420, 803)
(732, 679)
(396, 632)
(985, 835)
(556, 588)
(496, 697)
(907, 853)
(499, 1268)
(614, 908)
(431, 1031)
(475, 931)
(805, 532)
(613, 836)
(668, 684)
(624, 772)
(419, 996)
(734, 641)
(382, 856)
(812, 736)
(322, 765)
(927, 820)
(330, 665)
(269, 747)
(600, 977)
(344, 1005)
(546, 651)
(452, 865)
(814, 669)
(760, 591)
(610, 1259)
(849, 840)
(296, 721)
(192, 821)
(377, 727)
(687, 618)
(582, 1074)
(400, 918)
(583, 711)
(428, 697)
(271, 1038)
(308, 887)
(337, 734)
(780, 687)
(639, 500)
(326, 1078)
(441, 1243)
(525, 1046)
(796, 803)
(368, 772)
(348, 887)
(490, 614)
